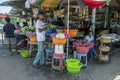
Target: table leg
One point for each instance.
(74, 54)
(30, 50)
(2, 38)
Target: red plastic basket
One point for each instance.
(82, 50)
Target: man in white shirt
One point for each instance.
(40, 32)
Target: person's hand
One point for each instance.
(48, 26)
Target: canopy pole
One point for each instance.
(93, 20)
(68, 7)
(106, 11)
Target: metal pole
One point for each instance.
(93, 20)
(68, 7)
(106, 17)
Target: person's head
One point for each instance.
(7, 20)
(41, 15)
(90, 33)
(17, 23)
(25, 24)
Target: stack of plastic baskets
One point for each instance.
(73, 65)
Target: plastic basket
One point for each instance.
(53, 35)
(72, 32)
(82, 50)
(24, 54)
(59, 41)
(72, 62)
(74, 69)
(33, 39)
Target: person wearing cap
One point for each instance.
(40, 33)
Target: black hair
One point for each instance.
(25, 24)
(90, 31)
(40, 13)
(7, 19)
(17, 23)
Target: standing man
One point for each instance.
(40, 32)
(9, 28)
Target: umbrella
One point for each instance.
(94, 4)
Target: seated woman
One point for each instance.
(92, 52)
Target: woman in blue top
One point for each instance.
(90, 38)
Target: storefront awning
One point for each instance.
(50, 3)
(3, 16)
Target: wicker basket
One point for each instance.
(59, 41)
(103, 57)
(104, 48)
(105, 40)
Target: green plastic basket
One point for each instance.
(73, 65)
(24, 54)
(74, 69)
(72, 62)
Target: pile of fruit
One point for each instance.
(28, 28)
(60, 35)
(81, 43)
(52, 27)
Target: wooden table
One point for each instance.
(31, 45)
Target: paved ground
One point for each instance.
(16, 68)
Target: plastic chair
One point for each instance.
(61, 61)
(82, 52)
(79, 56)
(49, 50)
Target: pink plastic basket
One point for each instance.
(82, 50)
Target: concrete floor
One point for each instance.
(16, 68)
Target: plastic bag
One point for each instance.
(27, 5)
(31, 1)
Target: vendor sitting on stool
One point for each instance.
(92, 52)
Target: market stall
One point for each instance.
(70, 24)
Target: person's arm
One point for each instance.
(14, 27)
(4, 28)
(46, 27)
(92, 39)
(85, 39)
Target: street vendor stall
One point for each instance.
(75, 17)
